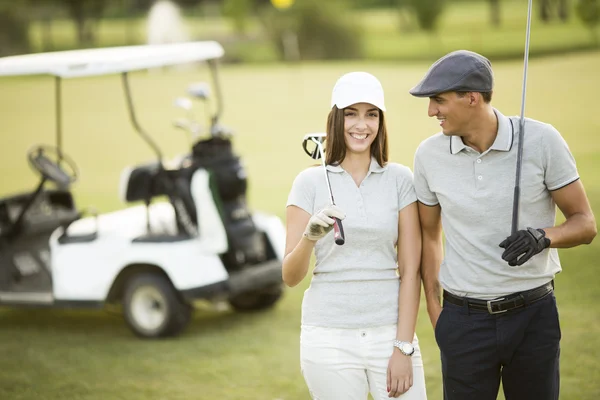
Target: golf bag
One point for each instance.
(229, 185)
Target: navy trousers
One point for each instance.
(520, 347)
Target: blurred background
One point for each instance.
(282, 58)
(261, 31)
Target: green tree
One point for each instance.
(85, 15)
(427, 12)
(14, 29)
(546, 9)
(316, 29)
(495, 12)
(238, 11)
(589, 13)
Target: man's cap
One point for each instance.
(459, 71)
(357, 87)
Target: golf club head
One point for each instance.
(199, 90)
(184, 103)
(218, 130)
(310, 144)
(181, 123)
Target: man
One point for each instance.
(499, 318)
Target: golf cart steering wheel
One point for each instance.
(42, 157)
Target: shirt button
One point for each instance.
(479, 161)
(480, 177)
(363, 334)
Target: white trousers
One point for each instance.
(348, 364)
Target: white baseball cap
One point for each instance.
(357, 87)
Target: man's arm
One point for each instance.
(431, 258)
(580, 225)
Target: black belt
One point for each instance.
(502, 304)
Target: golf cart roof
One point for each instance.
(109, 60)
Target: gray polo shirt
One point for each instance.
(355, 285)
(475, 192)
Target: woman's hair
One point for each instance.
(335, 151)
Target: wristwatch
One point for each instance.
(405, 347)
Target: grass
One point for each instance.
(51, 354)
(462, 25)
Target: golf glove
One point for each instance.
(321, 223)
(525, 244)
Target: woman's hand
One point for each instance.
(321, 223)
(399, 374)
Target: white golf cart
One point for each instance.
(155, 258)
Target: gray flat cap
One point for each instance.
(459, 71)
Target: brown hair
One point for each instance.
(335, 151)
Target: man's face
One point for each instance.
(452, 111)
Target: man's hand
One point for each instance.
(399, 374)
(434, 316)
(321, 223)
(524, 244)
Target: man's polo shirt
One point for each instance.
(475, 191)
(355, 285)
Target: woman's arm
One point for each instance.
(409, 260)
(399, 373)
(298, 248)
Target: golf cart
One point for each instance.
(187, 232)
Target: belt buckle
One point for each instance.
(489, 307)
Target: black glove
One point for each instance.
(525, 243)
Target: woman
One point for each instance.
(358, 318)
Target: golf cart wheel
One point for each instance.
(152, 307)
(259, 300)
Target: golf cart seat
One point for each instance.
(50, 210)
(140, 183)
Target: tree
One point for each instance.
(563, 10)
(427, 12)
(312, 29)
(589, 13)
(85, 14)
(14, 30)
(495, 12)
(238, 11)
(546, 9)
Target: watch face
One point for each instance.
(407, 348)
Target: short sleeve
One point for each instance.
(559, 164)
(405, 187)
(423, 192)
(302, 193)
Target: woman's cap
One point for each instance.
(357, 87)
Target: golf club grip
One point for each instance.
(515, 216)
(338, 232)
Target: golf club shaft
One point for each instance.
(517, 194)
(338, 229)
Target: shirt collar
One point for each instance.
(504, 138)
(373, 167)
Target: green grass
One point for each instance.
(462, 25)
(47, 354)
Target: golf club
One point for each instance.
(316, 153)
(201, 92)
(188, 124)
(515, 216)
